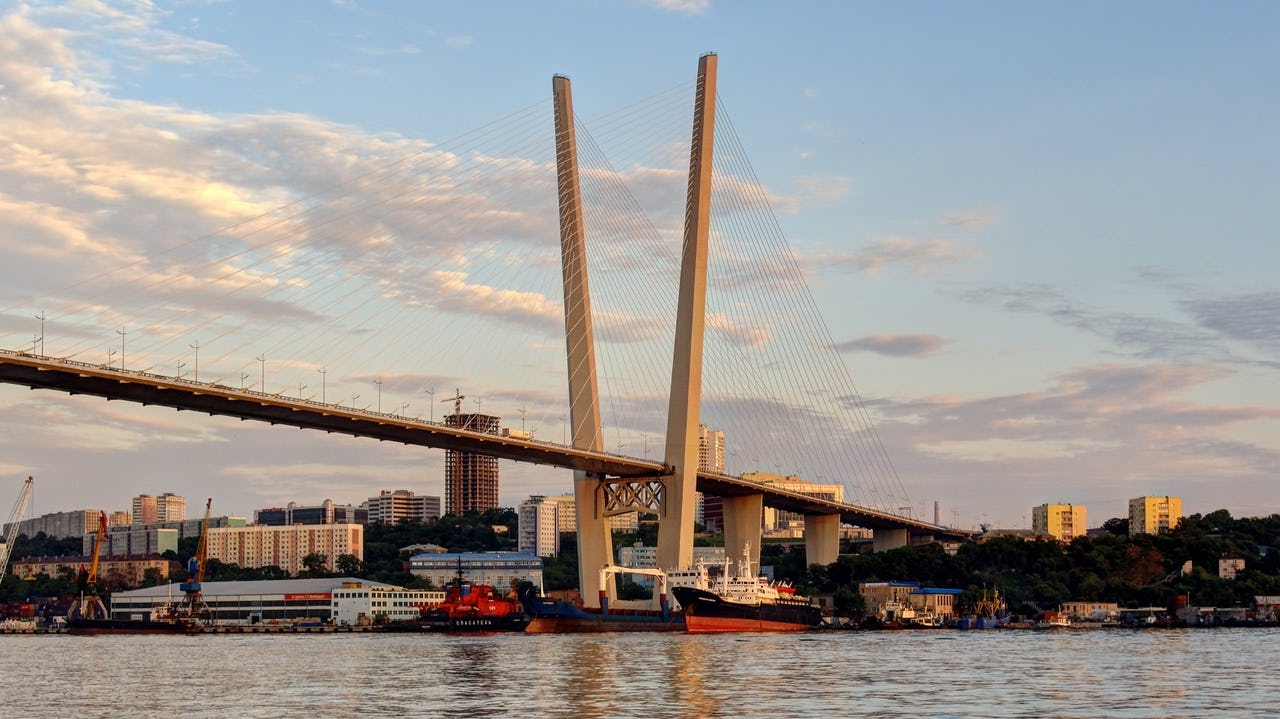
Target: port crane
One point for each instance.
(88, 605)
(193, 605)
(15, 518)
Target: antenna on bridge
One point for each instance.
(457, 398)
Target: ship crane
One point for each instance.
(15, 518)
(89, 605)
(193, 604)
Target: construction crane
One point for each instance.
(88, 605)
(193, 605)
(15, 519)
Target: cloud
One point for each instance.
(884, 252)
(810, 92)
(827, 188)
(895, 345)
(1215, 321)
(1253, 318)
(686, 7)
(968, 220)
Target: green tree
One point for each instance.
(348, 566)
(313, 565)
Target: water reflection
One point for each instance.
(901, 674)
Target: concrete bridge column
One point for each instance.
(886, 539)
(821, 538)
(743, 518)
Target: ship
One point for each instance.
(467, 607)
(161, 620)
(548, 616)
(743, 601)
(989, 613)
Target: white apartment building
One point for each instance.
(389, 507)
(285, 547)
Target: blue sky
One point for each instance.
(1041, 234)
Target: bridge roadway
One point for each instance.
(39, 372)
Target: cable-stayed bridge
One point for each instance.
(434, 265)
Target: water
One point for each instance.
(1104, 673)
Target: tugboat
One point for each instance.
(469, 607)
(746, 602)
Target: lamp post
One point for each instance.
(181, 364)
(42, 318)
(354, 397)
(301, 387)
(243, 376)
(122, 332)
(432, 392)
(196, 369)
(378, 382)
(323, 384)
(262, 359)
(564, 430)
(111, 354)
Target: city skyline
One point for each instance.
(1038, 235)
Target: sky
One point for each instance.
(1041, 235)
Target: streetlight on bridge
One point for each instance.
(262, 359)
(42, 318)
(122, 332)
(323, 384)
(432, 392)
(196, 347)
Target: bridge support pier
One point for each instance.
(821, 538)
(885, 539)
(595, 541)
(742, 523)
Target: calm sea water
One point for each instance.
(1104, 673)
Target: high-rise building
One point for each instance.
(470, 480)
(324, 513)
(144, 509)
(119, 519)
(1152, 515)
(542, 520)
(389, 507)
(1060, 521)
(170, 508)
(710, 509)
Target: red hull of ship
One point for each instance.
(698, 624)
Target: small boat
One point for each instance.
(745, 602)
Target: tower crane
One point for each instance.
(15, 519)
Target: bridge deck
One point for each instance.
(38, 372)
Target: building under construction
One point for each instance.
(470, 480)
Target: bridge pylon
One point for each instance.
(675, 530)
(595, 542)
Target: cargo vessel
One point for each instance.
(548, 616)
(161, 621)
(742, 601)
